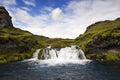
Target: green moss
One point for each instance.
(106, 58)
(106, 33)
(97, 34)
(23, 41)
(111, 57)
(116, 33)
(12, 58)
(58, 42)
(2, 60)
(88, 56)
(14, 55)
(97, 57)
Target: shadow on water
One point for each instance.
(35, 70)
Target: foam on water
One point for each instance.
(67, 55)
(55, 62)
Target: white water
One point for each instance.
(53, 57)
(35, 55)
(73, 52)
(54, 62)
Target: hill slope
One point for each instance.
(15, 44)
(101, 40)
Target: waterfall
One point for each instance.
(35, 55)
(73, 52)
(59, 56)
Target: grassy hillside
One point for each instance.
(59, 42)
(16, 44)
(53, 42)
(101, 40)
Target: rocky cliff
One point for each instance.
(101, 41)
(5, 18)
(15, 44)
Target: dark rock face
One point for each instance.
(5, 18)
(100, 45)
(8, 44)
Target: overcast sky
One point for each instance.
(60, 18)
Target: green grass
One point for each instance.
(107, 58)
(111, 58)
(23, 41)
(8, 55)
(99, 38)
(100, 30)
(58, 42)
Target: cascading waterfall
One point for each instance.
(35, 55)
(58, 56)
(73, 52)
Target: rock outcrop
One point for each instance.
(15, 44)
(101, 41)
(5, 18)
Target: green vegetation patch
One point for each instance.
(100, 33)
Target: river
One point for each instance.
(57, 69)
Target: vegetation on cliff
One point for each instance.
(101, 41)
(15, 44)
